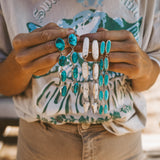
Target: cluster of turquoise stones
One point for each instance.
(104, 79)
(72, 39)
(60, 45)
(103, 66)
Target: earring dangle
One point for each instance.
(60, 45)
(106, 76)
(85, 74)
(101, 79)
(72, 40)
(95, 55)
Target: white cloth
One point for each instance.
(41, 100)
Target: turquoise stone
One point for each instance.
(106, 63)
(100, 109)
(62, 60)
(100, 95)
(74, 57)
(102, 48)
(100, 80)
(101, 65)
(60, 44)
(106, 79)
(64, 90)
(108, 46)
(105, 109)
(75, 73)
(72, 39)
(106, 95)
(63, 76)
(75, 88)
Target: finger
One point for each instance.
(43, 62)
(101, 29)
(109, 35)
(43, 71)
(124, 68)
(124, 46)
(47, 27)
(34, 38)
(118, 57)
(39, 51)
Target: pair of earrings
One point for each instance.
(100, 80)
(60, 45)
(100, 76)
(104, 77)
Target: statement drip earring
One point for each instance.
(106, 76)
(60, 45)
(95, 55)
(72, 40)
(85, 74)
(101, 65)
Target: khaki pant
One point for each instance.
(39, 141)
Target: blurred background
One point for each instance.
(150, 137)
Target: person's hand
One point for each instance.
(126, 56)
(35, 52)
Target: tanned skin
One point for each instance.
(35, 54)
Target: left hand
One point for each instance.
(125, 56)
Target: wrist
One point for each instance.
(146, 81)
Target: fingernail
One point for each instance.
(70, 31)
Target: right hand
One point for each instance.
(35, 52)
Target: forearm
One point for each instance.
(13, 79)
(144, 83)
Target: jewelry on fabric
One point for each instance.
(60, 45)
(106, 76)
(95, 55)
(72, 40)
(85, 74)
(101, 78)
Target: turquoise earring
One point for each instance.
(72, 40)
(106, 76)
(60, 45)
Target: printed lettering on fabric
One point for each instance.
(40, 13)
(132, 6)
(87, 21)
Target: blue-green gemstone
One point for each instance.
(75, 88)
(60, 44)
(106, 63)
(101, 65)
(100, 80)
(106, 95)
(102, 48)
(106, 79)
(105, 109)
(74, 57)
(63, 76)
(72, 39)
(108, 46)
(75, 73)
(100, 95)
(64, 90)
(100, 109)
(62, 60)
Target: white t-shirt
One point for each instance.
(42, 99)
